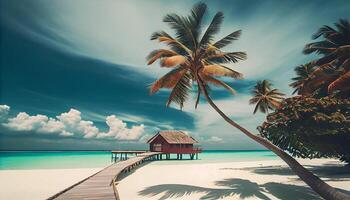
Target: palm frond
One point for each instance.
(159, 53)
(172, 61)
(265, 97)
(321, 47)
(303, 71)
(273, 103)
(319, 76)
(341, 83)
(213, 28)
(275, 93)
(346, 65)
(344, 50)
(217, 82)
(226, 57)
(183, 29)
(173, 43)
(198, 97)
(169, 80)
(325, 59)
(254, 100)
(343, 26)
(256, 106)
(179, 94)
(188, 54)
(228, 39)
(219, 70)
(195, 19)
(325, 31)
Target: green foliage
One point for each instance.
(317, 124)
(311, 128)
(330, 73)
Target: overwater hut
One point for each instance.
(174, 142)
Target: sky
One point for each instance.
(74, 74)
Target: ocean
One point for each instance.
(95, 159)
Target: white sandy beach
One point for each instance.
(157, 180)
(39, 183)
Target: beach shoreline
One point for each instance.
(173, 180)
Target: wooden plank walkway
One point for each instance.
(102, 184)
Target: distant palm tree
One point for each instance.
(304, 74)
(333, 69)
(195, 58)
(264, 97)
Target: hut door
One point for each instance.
(157, 147)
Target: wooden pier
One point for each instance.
(123, 154)
(102, 185)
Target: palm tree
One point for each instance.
(304, 74)
(264, 97)
(195, 58)
(332, 70)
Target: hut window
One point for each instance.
(157, 147)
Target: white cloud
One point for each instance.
(74, 124)
(71, 123)
(119, 130)
(214, 139)
(25, 122)
(4, 110)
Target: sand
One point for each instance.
(39, 183)
(173, 180)
(235, 180)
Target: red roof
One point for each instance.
(174, 137)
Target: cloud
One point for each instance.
(119, 130)
(37, 123)
(214, 139)
(4, 110)
(70, 123)
(74, 124)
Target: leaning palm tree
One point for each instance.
(195, 58)
(332, 70)
(264, 97)
(304, 74)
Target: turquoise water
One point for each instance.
(96, 159)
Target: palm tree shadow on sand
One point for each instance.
(240, 187)
(329, 171)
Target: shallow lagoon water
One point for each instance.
(94, 159)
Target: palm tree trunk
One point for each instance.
(319, 186)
